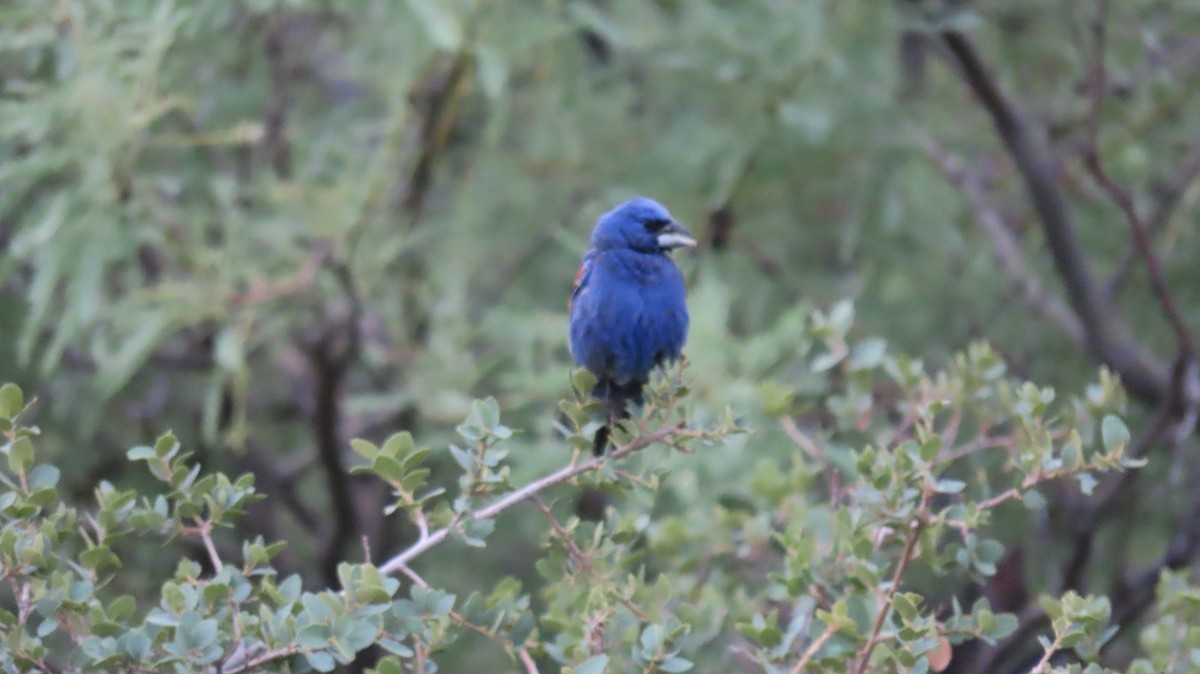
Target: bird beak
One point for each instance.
(675, 235)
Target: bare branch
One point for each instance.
(275, 113)
(1154, 271)
(530, 490)
(1177, 191)
(1121, 196)
(204, 530)
(259, 661)
(527, 660)
(812, 649)
(1043, 665)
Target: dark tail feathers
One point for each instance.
(616, 398)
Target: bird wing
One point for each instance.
(579, 285)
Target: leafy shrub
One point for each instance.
(837, 560)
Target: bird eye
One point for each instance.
(656, 225)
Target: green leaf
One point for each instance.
(166, 445)
(395, 647)
(1114, 433)
(465, 460)
(414, 480)
(44, 476)
(321, 661)
(398, 445)
(141, 453)
(365, 449)
(196, 633)
(11, 401)
(593, 665)
(20, 454)
(949, 486)
(906, 605)
(867, 354)
(228, 351)
(388, 468)
(487, 411)
(675, 664)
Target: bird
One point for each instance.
(628, 306)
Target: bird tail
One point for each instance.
(616, 398)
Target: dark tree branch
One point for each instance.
(1106, 336)
(441, 101)
(329, 371)
(330, 357)
(275, 113)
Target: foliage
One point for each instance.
(838, 530)
(277, 226)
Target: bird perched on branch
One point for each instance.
(629, 306)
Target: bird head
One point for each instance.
(641, 224)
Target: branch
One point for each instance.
(330, 357)
(1004, 244)
(1170, 196)
(239, 664)
(435, 538)
(812, 649)
(204, 530)
(1121, 196)
(910, 546)
(581, 558)
(1106, 336)
(527, 660)
(1154, 271)
(275, 112)
(441, 98)
(1042, 665)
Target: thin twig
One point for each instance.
(1121, 196)
(792, 429)
(265, 658)
(1158, 285)
(579, 557)
(815, 646)
(910, 545)
(527, 660)
(418, 654)
(564, 474)
(204, 530)
(458, 618)
(1042, 664)
(1174, 195)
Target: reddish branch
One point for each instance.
(1121, 196)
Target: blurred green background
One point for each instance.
(275, 226)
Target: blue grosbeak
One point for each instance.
(629, 306)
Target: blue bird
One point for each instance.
(629, 305)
